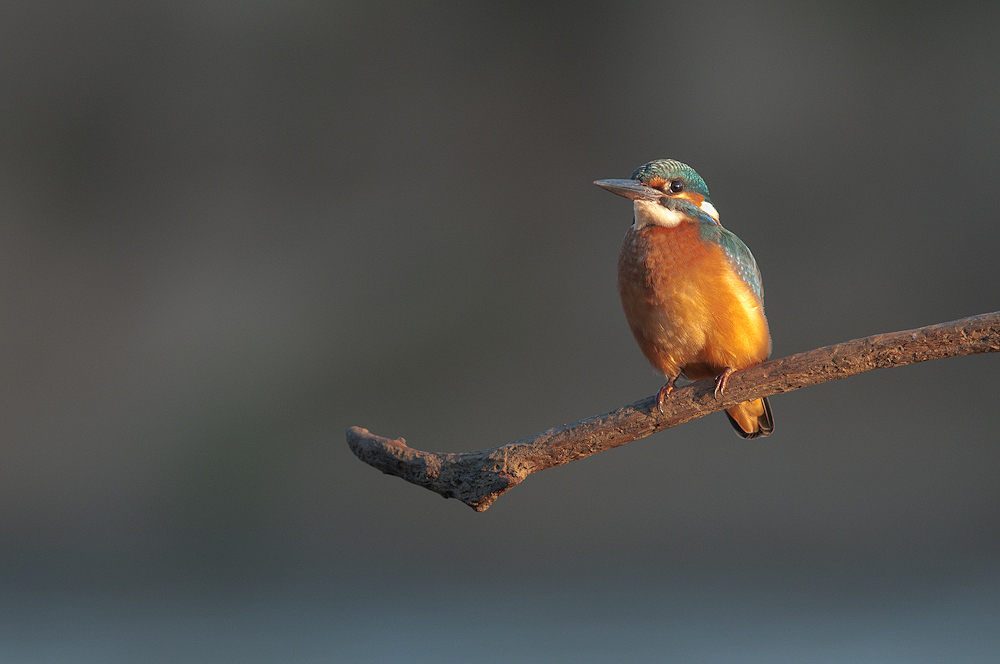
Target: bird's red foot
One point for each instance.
(721, 380)
(664, 391)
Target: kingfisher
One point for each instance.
(691, 289)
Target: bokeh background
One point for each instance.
(231, 230)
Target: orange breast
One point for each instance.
(688, 309)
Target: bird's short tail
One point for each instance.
(752, 419)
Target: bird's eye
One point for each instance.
(676, 187)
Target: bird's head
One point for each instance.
(665, 193)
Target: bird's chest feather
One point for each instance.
(685, 303)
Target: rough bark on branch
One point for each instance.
(479, 478)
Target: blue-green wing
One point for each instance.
(737, 253)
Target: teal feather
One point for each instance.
(668, 169)
(738, 254)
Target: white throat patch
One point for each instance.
(651, 213)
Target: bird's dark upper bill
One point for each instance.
(632, 189)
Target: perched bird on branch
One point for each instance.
(691, 289)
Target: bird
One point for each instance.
(690, 289)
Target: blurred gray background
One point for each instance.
(232, 230)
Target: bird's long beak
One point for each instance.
(632, 189)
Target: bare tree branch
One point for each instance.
(478, 478)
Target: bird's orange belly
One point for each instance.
(688, 309)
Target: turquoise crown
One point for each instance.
(668, 169)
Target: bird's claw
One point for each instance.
(721, 380)
(664, 392)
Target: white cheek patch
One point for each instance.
(650, 213)
(710, 210)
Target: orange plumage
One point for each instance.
(689, 311)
